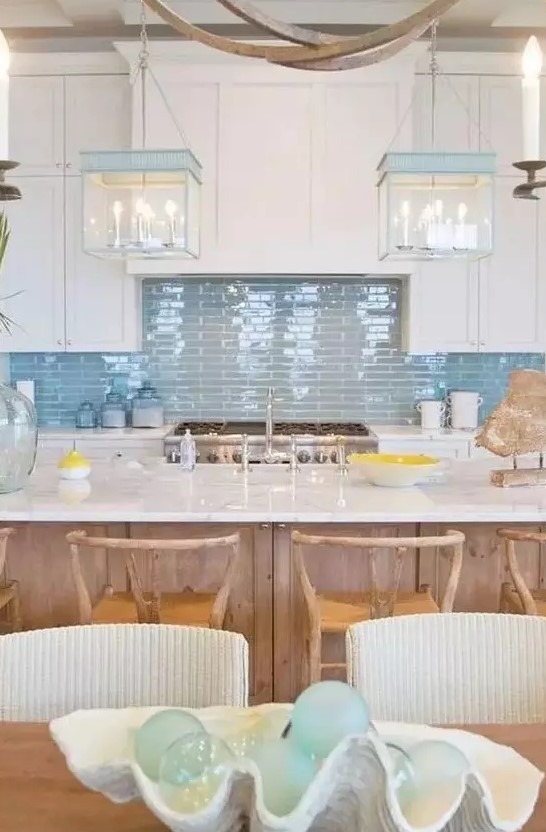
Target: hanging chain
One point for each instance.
(144, 71)
(143, 60)
(433, 81)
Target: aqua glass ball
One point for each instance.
(159, 732)
(286, 773)
(430, 769)
(191, 771)
(324, 715)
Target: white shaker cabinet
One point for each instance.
(36, 124)
(33, 272)
(54, 117)
(67, 301)
(289, 163)
(500, 120)
(512, 291)
(102, 301)
(443, 307)
(97, 115)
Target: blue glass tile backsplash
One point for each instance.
(331, 347)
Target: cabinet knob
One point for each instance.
(59, 165)
(265, 526)
(59, 341)
(69, 343)
(69, 164)
(482, 343)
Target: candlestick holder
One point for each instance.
(8, 192)
(527, 189)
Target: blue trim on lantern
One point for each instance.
(438, 163)
(140, 161)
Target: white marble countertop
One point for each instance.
(70, 434)
(414, 432)
(156, 492)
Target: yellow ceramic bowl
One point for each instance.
(394, 470)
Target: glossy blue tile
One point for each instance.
(332, 348)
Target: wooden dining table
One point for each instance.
(39, 794)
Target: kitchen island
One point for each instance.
(154, 499)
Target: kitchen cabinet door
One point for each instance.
(102, 301)
(512, 293)
(33, 271)
(97, 115)
(344, 211)
(442, 308)
(36, 124)
(265, 174)
(500, 120)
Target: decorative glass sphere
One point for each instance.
(159, 732)
(257, 729)
(324, 715)
(191, 771)
(18, 439)
(286, 774)
(430, 773)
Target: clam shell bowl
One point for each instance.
(352, 791)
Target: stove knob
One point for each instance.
(212, 456)
(237, 457)
(304, 456)
(333, 457)
(321, 457)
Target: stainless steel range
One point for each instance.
(272, 441)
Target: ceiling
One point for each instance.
(72, 25)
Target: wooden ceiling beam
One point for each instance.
(411, 27)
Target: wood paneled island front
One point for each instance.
(161, 501)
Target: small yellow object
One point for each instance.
(74, 466)
(395, 459)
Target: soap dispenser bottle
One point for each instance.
(188, 451)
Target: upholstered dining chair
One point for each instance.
(47, 673)
(334, 612)
(459, 668)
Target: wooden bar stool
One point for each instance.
(517, 597)
(335, 612)
(9, 590)
(144, 602)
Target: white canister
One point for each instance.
(464, 406)
(432, 414)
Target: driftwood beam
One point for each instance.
(509, 478)
(410, 27)
(287, 31)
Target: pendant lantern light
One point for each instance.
(437, 203)
(142, 202)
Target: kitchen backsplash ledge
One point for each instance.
(331, 348)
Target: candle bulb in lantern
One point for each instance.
(140, 207)
(117, 210)
(171, 209)
(4, 96)
(532, 66)
(148, 216)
